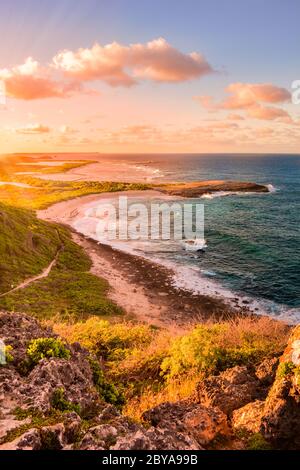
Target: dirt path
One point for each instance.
(43, 274)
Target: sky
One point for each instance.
(149, 76)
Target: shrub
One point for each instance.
(111, 341)
(211, 348)
(107, 391)
(45, 348)
(6, 356)
(59, 401)
(285, 369)
(258, 442)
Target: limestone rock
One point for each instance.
(156, 439)
(281, 418)
(201, 423)
(52, 437)
(230, 390)
(248, 417)
(266, 371)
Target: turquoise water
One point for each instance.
(253, 241)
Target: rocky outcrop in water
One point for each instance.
(199, 188)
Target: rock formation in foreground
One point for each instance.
(55, 403)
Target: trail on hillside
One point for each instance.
(43, 274)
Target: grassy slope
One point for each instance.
(27, 246)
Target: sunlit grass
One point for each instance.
(43, 193)
(27, 246)
(152, 366)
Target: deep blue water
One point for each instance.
(253, 241)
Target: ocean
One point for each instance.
(252, 240)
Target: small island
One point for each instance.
(199, 188)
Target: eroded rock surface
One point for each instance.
(264, 400)
(230, 390)
(202, 423)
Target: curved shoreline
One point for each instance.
(144, 288)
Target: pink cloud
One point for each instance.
(30, 81)
(32, 129)
(268, 113)
(28, 87)
(248, 94)
(248, 97)
(118, 65)
(235, 117)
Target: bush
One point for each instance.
(107, 391)
(213, 348)
(6, 356)
(45, 348)
(111, 341)
(286, 369)
(258, 442)
(59, 402)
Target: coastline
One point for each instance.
(142, 287)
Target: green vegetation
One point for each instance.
(149, 365)
(213, 348)
(286, 369)
(112, 342)
(59, 402)
(37, 420)
(45, 348)
(43, 193)
(152, 366)
(107, 391)
(27, 246)
(6, 355)
(42, 348)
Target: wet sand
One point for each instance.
(145, 289)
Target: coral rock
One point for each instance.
(229, 391)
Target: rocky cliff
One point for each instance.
(54, 399)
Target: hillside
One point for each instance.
(27, 247)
